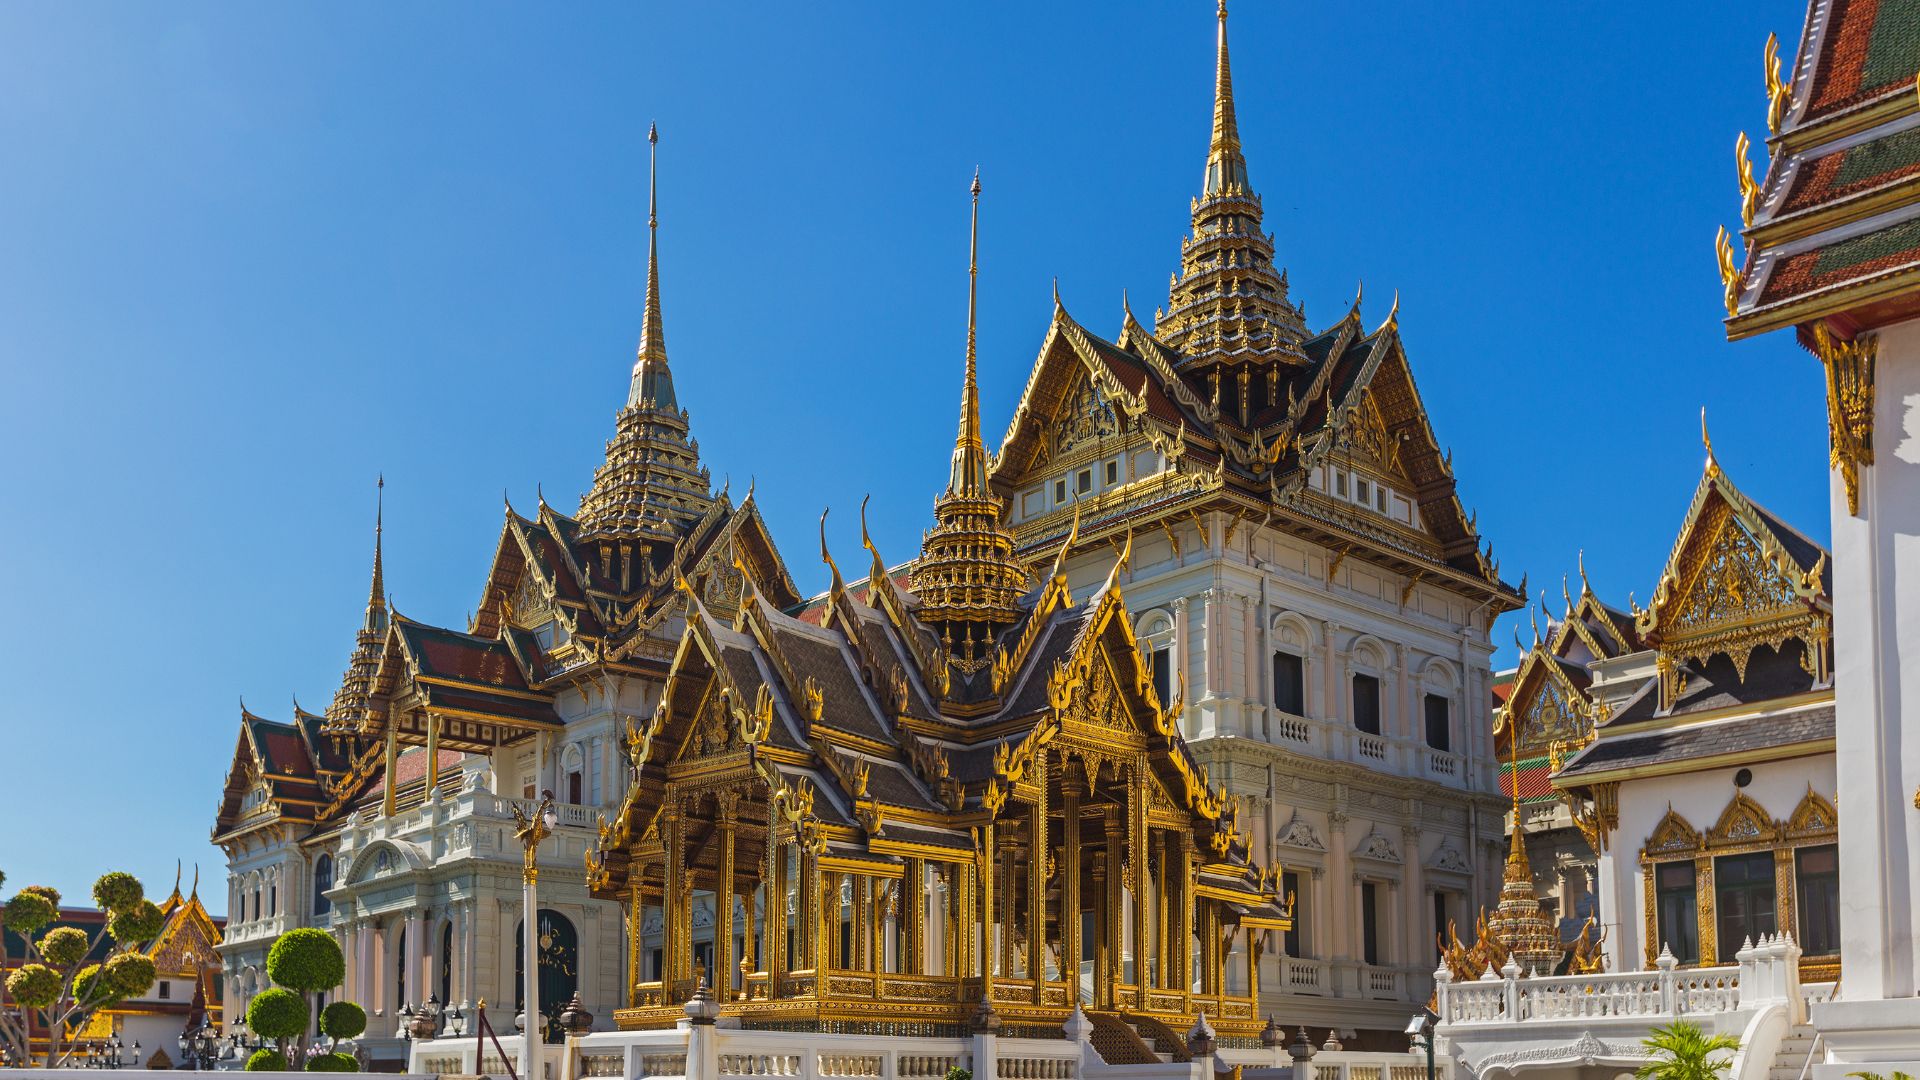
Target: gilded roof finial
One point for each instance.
(1706, 440)
(1226, 168)
(1777, 93)
(1585, 588)
(377, 591)
(652, 380)
(969, 474)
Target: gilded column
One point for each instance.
(1185, 942)
(636, 917)
(1141, 844)
(1112, 929)
(723, 970)
(1037, 855)
(913, 909)
(671, 913)
(984, 861)
(1070, 883)
(433, 754)
(860, 918)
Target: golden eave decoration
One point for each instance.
(1849, 368)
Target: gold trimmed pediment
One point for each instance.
(1546, 710)
(1730, 587)
(1672, 837)
(1813, 817)
(1744, 821)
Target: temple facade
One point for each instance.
(1690, 746)
(1303, 574)
(956, 806)
(388, 818)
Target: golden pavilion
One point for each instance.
(946, 802)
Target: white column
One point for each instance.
(416, 950)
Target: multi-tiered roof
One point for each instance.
(568, 598)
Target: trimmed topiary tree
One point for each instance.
(302, 963)
(267, 1061)
(67, 974)
(342, 1020)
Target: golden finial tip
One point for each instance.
(1223, 10)
(653, 133)
(976, 181)
(1706, 440)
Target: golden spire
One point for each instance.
(1226, 168)
(652, 380)
(969, 474)
(967, 577)
(377, 592)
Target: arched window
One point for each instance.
(573, 768)
(1156, 651)
(559, 957)
(322, 881)
(1367, 699)
(446, 963)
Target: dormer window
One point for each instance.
(550, 634)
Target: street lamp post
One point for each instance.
(532, 829)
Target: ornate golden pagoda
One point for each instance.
(1227, 311)
(967, 578)
(916, 840)
(1526, 931)
(652, 485)
(352, 701)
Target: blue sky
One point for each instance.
(251, 256)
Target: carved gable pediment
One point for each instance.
(529, 604)
(1672, 836)
(1376, 846)
(1086, 417)
(1546, 709)
(1744, 821)
(1732, 585)
(1299, 834)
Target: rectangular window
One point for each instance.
(1059, 491)
(576, 784)
(1744, 895)
(1369, 923)
(1439, 726)
(1290, 886)
(1340, 484)
(1439, 920)
(1163, 674)
(1817, 869)
(1366, 704)
(166, 989)
(1289, 684)
(1380, 499)
(1083, 482)
(1677, 918)
(1113, 473)
(1364, 490)
(654, 962)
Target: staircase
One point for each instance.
(1791, 1059)
(1118, 1043)
(1168, 1044)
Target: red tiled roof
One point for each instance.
(1888, 248)
(1872, 46)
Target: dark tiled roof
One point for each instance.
(1710, 739)
(1871, 47)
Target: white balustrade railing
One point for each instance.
(1767, 974)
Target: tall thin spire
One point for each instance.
(969, 475)
(652, 380)
(967, 577)
(1226, 168)
(377, 592)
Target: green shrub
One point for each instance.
(139, 922)
(29, 910)
(342, 1020)
(35, 986)
(307, 959)
(129, 975)
(64, 946)
(116, 891)
(958, 1073)
(278, 1013)
(332, 1063)
(267, 1061)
